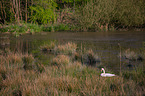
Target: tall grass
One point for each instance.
(71, 78)
(61, 60)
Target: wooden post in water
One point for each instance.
(120, 57)
(81, 54)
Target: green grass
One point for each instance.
(56, 27)
(23, 28)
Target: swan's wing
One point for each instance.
(103, 75)
(109, 75)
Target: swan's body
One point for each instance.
(106, 74)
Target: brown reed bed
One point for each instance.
(71, 78)
(61, 60)
(67, 49)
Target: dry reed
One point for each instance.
(73, 79)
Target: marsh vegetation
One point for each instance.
(69, 72)
(52, 62)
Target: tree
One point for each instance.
(130, 12)
(103, 14)
(43, 11)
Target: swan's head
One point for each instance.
(102, 69)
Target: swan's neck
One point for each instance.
(104, 71)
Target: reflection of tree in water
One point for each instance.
(4, 43)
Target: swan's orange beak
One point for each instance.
(101, 70)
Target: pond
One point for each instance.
(107, 45)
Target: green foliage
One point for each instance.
(3, 30)
(71, 1)
(96, 13)
(61, 27)
(34, 27)
(20, 29)
(56, 27)
(132, 14)
(105, 14)
(84, 15)
(67, 1)
(43, 11)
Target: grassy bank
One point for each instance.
(19, 29)
(28, 28)
(21, 74)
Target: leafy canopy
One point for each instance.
(43, 11)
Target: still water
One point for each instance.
(104, 44)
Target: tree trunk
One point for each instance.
(26, 12)
(1, 18)
(106, 27)
(101, 27)
(17, 12)
(31, 10)
(14, 9)
(20, 10)
(3, 11)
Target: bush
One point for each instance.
(56, 27)
(48, 28)
(105, 15)
(61, 27)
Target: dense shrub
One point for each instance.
(107, 14)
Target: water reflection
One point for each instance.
(4, 42)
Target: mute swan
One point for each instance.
(106, 74)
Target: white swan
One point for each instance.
(106, 74)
